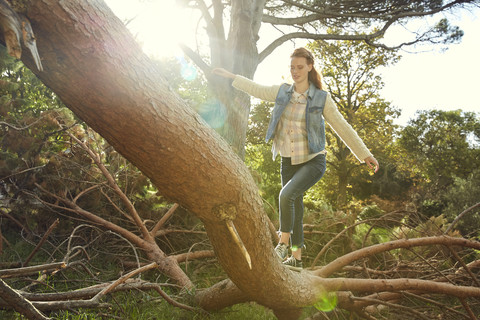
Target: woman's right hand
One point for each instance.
(223, 73)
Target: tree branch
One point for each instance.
(122, 279)
(460, 216)
(111, 181)
(380, 285)
(182, 257)
(164, 219)
(338, 14)
(90, 216)
(19, 303)
(206, 15)
(392, 305)
(18, 272)
(368, 38)
(345, 230)
(196, 59)
(339, 263)
(317, 37)
(42, 241)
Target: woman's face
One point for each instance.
(299, 69)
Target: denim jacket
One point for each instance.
(315, 123)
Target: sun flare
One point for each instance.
(158, 25)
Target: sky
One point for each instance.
(428, 79)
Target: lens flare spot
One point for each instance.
(214, 113)
(187, 71)
(326, 302)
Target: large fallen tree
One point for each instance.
(89, 59)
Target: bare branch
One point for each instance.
(90, 216)
(3, 123)
(123, 279)
(205, 13)
(389, 20)
(19, 303)
(339, 263)
(164, 219)
(194, 255)
(452, 225)
(317, 37)
(379, 285)
(20, 172)
(468, 309)
(17, 272)
(345, 230)
(337, 14)
(433, 302)
(464, 266)
(42, 241)
(123, 213)
(80, 194)
(72, 299)
(392, 305)
(195, 57)
(111, 181)
(171, 301)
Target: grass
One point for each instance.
(155, 310)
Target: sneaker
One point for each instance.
(293, 264)
(282, 251)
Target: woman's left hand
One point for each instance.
(372, 163)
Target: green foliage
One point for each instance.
(462, 194)
(258, 157)
(453, 34)
(442, 145)
(350, 73)
(441, 149)
(371, 211)
(29, 124)
(185, 80)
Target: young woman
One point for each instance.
(297, 127)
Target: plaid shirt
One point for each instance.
(291, 133)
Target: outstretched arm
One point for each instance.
(223, 73)
(266, 93)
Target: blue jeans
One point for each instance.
(296, 179)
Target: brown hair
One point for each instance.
(313, 76)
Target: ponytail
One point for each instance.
(313, 76)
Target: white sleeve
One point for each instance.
(266, 93)
(344, 130)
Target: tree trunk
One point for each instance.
(343, 174)
(238, 53)
(94, 65)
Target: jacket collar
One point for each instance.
(311, 90)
